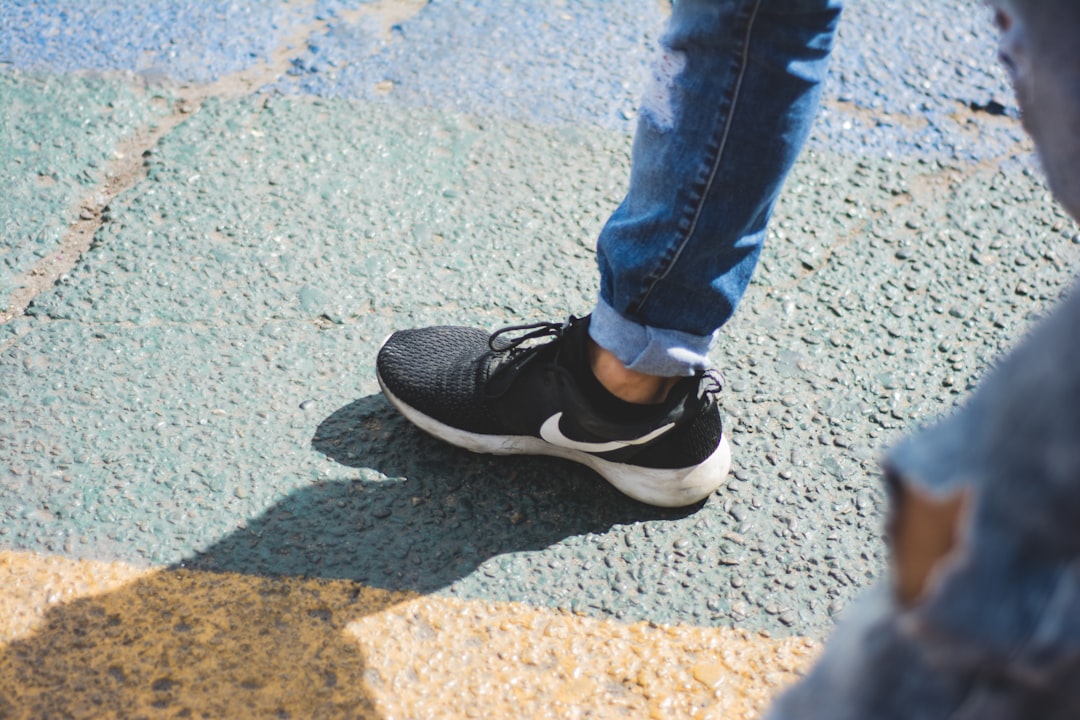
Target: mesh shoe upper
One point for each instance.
(440, 371)
(498, 385)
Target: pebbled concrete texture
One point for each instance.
(195, 393)
(918, 80)
(58, 136)
(199, 644)
(247, 281)
(302, 209)
(558, 62)
(175, 39)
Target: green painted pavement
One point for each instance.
(200, 389)
(277, 208)
(58, 135)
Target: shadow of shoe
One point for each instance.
(422, 514)
(256, 624)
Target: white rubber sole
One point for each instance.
(663, 487)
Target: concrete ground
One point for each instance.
(214, 213)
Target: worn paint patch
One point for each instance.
(93, 639)
(658, 102)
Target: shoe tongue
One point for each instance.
(498, 369)
(572, 348)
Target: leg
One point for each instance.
(625, 391)
(735, 92)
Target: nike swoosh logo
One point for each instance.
(550, 432)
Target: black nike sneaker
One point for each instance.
(529, 390)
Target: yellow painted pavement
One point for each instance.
(97, 640)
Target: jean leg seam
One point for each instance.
(721, 147)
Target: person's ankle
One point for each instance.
(626, 384)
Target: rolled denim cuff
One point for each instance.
(654, 351)
(942, 458)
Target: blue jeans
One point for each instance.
(734, 92)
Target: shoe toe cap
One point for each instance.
(434, 370)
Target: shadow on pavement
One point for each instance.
(178, 643)
(256, 624)
(444, 512)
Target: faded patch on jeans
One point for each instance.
(658, 103)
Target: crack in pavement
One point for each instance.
(128, 167)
